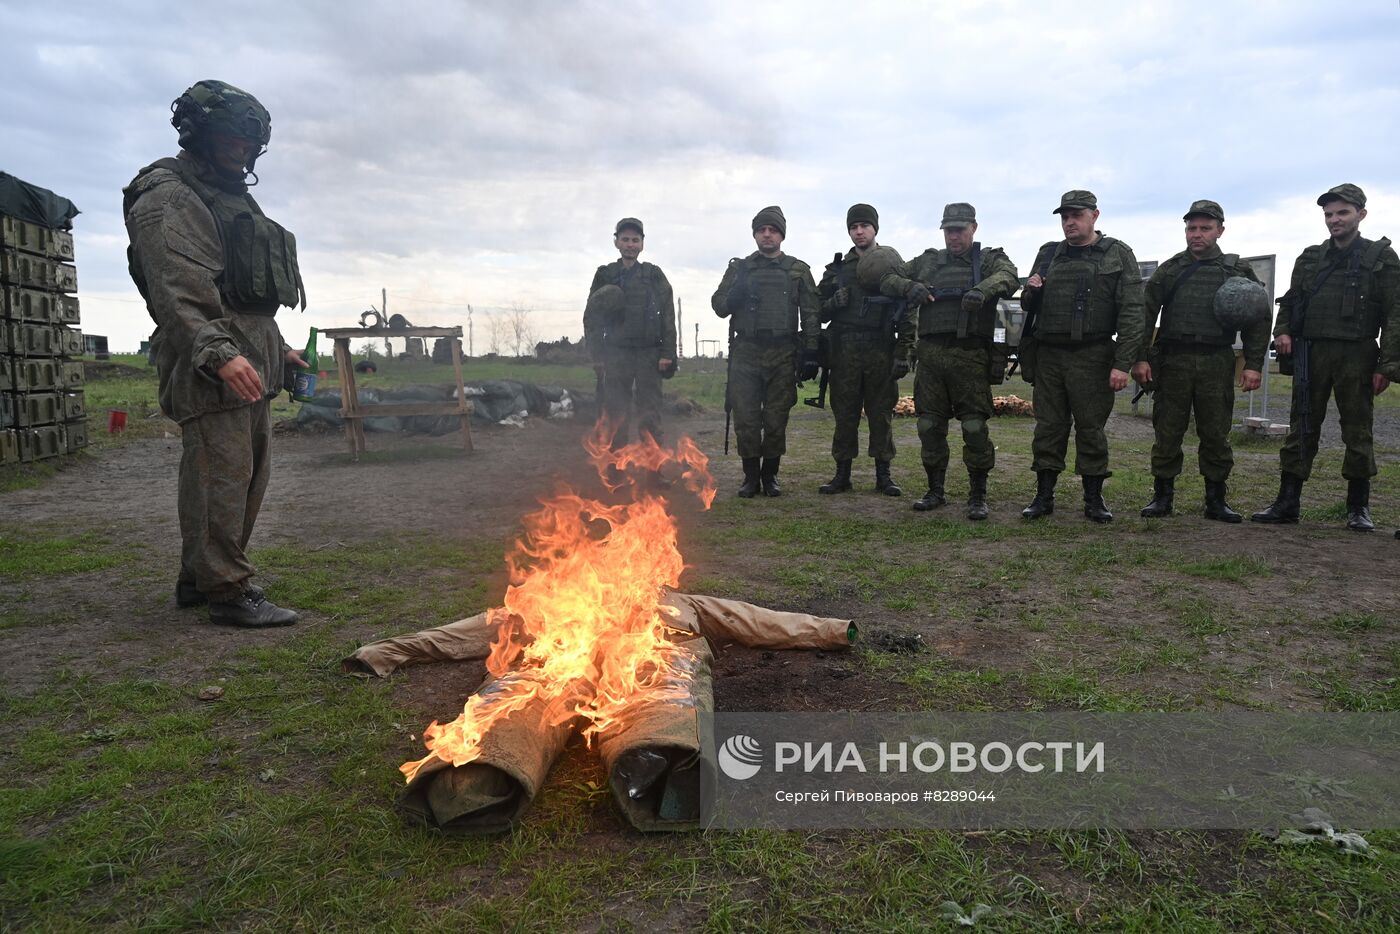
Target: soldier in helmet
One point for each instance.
(629, 327)
(772, 306)
(1083, 290)
(214, 270)
(1191, 362)
(1345, 292)
(956, 291)
(868, 342)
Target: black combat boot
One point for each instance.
(188, 595)
(1359, 506)
(252, 610)
(1285, 507)
(1095, 509)
(1044, 502)
(1216, 507)
(769, 476)
(840, 483)
(1163, 493)
(749, 489)
(977, 494)
(884, 482)
(934, 497)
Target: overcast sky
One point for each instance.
(480, 153)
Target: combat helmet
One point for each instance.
(218, 107)
(874, 265)
(607, 303)
(1240, 302)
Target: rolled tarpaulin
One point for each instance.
(721, 620)
(490, 793)
(465, 640)
(651, 754)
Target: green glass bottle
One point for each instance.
(304, 382)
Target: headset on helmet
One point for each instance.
(217, 107)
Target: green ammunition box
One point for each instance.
(33, 409)
(30, 340)
(7, 375)
(70, 374)
(75, 436)
(32, 305)
(36, 272)
(9, 446)
(69, 341)
(32, 238)
(47, 441)
(67, 312)
(7, 410)
(37, 375)
(74, 406)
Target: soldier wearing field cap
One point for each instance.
(629, 328)
(956, 290)
(868, 342)
(1344, 294)
(1190, 363)
(1083, 290)
(772, 306)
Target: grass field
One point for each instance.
(128, 802)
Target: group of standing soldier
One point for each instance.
(1091, 326)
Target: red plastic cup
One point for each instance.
(116, 421)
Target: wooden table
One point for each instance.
(354, 413)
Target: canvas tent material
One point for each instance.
(34, 204)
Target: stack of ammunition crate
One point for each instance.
(42, 414)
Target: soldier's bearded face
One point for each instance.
(1078, 225)
(768, 238)
(958, 240)
(229, 154)
(629, 244)
(1343, 219)
(862, 235)
(1201, 234)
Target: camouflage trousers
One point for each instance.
(762, 391)
(224, 469)
(631, 392)
(1342, 369)
(862, 379)
(951, 382)
(1071, 388)
(1200, 380)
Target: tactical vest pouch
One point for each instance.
(260, 272)
(996, 363)
(1026, 355)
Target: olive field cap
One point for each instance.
(771, 216)
(1352, 194)
(862, 214)
(958, 214)
(1205, 209)
(629, 222)
(1076, 200)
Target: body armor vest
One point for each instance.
(772, 298)
(864, 311)
(641, 316)
(1188, 314)
(946, 274)
(1080, 288)
(260, 257)
(1344, 306)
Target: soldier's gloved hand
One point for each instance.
(917, 293)
(972, 300)
(736, 299)
(841, 297)
(810, 366)
(668, 368)
(901, 369)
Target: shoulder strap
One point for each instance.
(1229, 261)
(976, 263)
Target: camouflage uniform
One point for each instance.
(1193, 367)
(178, 259)
(862, 346)
(774, 316)
(630, 346)
(1356, 300)
(953, 379)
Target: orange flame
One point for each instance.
(582, 618)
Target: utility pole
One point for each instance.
(680, 328)
(384, 310)
(470, 352)
(697, 339)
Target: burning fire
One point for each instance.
(582, 627)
